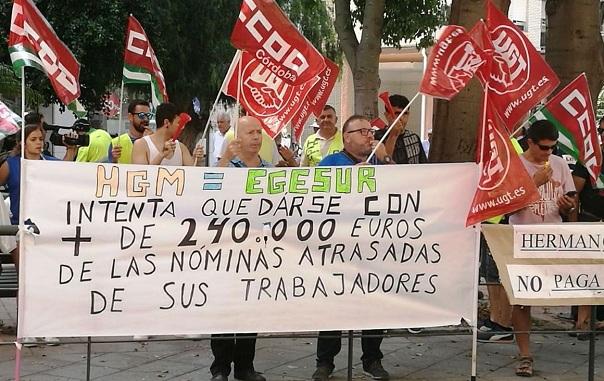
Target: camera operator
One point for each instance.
(98, 146)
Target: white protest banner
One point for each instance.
(549, 264)
(577, 241)
(122, 250)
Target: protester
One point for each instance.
(223, 120)
(160, 148)
(268, 151)
(239, 349)
(287, 155)
(404, 146)
(97, 148)
(10, 174)
(139, 115)
(426, 143)
(358, 144)
(591, 209)
(554, 180)
(326, 141)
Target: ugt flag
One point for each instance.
(452, 63)
(571, 111)
(316, 98)
(519, 77)
(265, 95)
(140, 62)
(32, 42)
(263, 30)
(9, 121)
(504, 185)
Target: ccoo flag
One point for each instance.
(571, 111)
(140, 62)
(32, 42)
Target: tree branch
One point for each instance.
(345, 29)
(373, 27)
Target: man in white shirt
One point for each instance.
(224, 125)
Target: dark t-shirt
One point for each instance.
(592, 200)
(408, 148)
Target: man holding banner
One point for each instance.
(557, 198)
(139, 115)
(243, 152)
(358, 144)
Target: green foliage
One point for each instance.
(406, 20)
(10, 87)
(190, 39)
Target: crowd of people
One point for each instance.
(566, 195)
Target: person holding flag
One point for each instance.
(139, 115)
(163, 148)
(557, 199)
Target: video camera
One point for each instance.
(80, 126)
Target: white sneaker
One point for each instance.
(140, 337)
(29, 342)
(52, 341)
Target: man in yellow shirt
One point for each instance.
(139, 115)
(96, 151)
(327, 140)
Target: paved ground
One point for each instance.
(412, 357)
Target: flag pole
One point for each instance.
(21, 224)
(119, 118)
(391, 126)
(224, 82)
(238, 95)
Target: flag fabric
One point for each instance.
(263, 30)
(9, 121)
(452, 63)
(571, 111)
(316, 98)
(385, 97)
(264, 95)
(32, 42)
(77, 108)
(519, 78)
(504, 185)
(141, 64)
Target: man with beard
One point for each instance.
(358, 143)
(139, 115)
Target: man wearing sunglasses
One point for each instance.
(556, 188)
(404, 146)
(139, 115)
(358, 145)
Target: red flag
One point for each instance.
(452, 63)
(316, 98)
(33, 42)
(385, 97)
(265, 31)
(572, 112)
(141, 64)
(519, 77)
(504, 185)
(264, 95)
(378, 123)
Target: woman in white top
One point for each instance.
(160, 148)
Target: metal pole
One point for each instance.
(350, 354)
(475, 311)
(88, 353)
(592, 344)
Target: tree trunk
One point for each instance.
(456, 121)
(574, 44)
(363, 56)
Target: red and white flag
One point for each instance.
(263, 30)
(141, 64)
(572, 112)
(32, 42)
(519, 78)
(265, 95)
(316, 98)
(504, 185)
(452, 63)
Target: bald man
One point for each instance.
(245, 150)
(228, 349)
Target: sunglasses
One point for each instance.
(143, 115)
(544, 147)
(363, 131)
